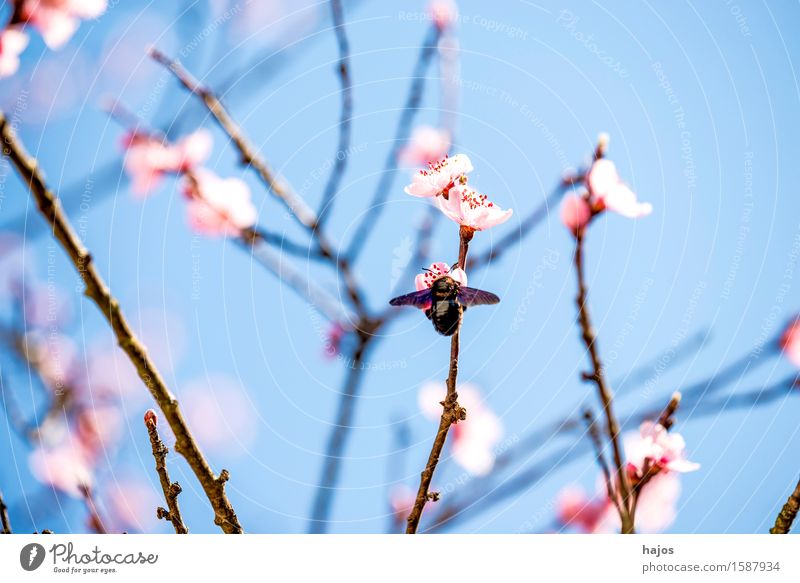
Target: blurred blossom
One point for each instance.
(443, 13)
(426, 144)
(575, 213)
(474, 440)
(131, 504)
(12, 42)
(217, 206)
(219, 413)
(655, 510)
(65, 467)
(333, 340)
(656, 448)
(607, 191)
(149, 157)
(99, 429)
(790, 341)
(472, 209)
(401, 501)
(57, 20)
(46, 307)
(55, 357)
(440, 176)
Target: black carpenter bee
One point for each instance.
(445, 301)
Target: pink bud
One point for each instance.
(575, 213)
(150, 418)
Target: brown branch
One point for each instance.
(785, 518)
(281, 189)
(5, 523)
(97, 290)
(340, 160)
(452, 412)
(95, 522)
(171, 489)
(598, 377)
(597, 444)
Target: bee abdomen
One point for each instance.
(445, 316)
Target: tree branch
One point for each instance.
(296, 205)
(598, 377)
(323, 498)
(4, 521)
(97, 290)
(340, 160)
(171, 489)
(785, 518)
(452, 412)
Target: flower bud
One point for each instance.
(150, 418)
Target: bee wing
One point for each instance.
(469, 296)
(420, 299)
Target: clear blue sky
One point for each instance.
(701, 103)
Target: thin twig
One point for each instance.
(280, 188)
(345, 121)
(404, 125)
(598, 377)
(452, 412)
(323, 499)
(785, 518)
(597, 443)
(525, 228)
(97, 290)
(4, 521)
(95, 522)
(171, 489)
(483, 494)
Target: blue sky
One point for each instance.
(701, 103)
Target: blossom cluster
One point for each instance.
(653, 452)
(215, 206)
(55, 20)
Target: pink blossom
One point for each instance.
(126, 498)
(474, 440)
(440, 177)
(149, 157)
(401, 501)
(655, 447)
(220, 414)
(576, 509)
(12, 42)
(333, 339)
(575, 213)
(443, 13)
(99, 429)
(472, 209)
(655, 510)
(57, 20)
(66, 467)
(437, 270)
(609, 192)
(217, 206)
(425, 145)
(55, 358)
(790, 341)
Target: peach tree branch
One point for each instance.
(785, 518)
(171, 489)
(97, 290)
(452, 412)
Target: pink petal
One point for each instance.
(622, 200)
(425, 145)
(12, 42)
(790, 341)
